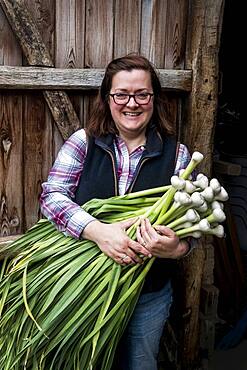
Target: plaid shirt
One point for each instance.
(56, 200)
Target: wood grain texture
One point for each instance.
(70, 43)
(48, 143)
(10, 51)
(43, 16)
(205, 22)
(127, 27)
(11, 185)
(70, 33)
(63, 112)
(175, 34)
(88, 105)
(26, 32)
(98, 33)
(29, 37)
(34, 148)
(87, 34)
(11, 164)
(202, 57)
(153, 31)
(79, 79)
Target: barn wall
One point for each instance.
(78, 34)
(173, 34)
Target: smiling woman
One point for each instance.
(128, 145)
(131, 105)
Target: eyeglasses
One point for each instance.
(141, 98)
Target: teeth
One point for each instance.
(131, 113)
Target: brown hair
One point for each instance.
(101, 123)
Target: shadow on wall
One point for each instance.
(232, 359)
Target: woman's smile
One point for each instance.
(132, 118)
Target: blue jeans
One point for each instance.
(139, 346)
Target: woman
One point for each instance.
(128, 145)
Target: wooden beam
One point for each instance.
(26, 32)
(37, 54)
(79, 79)
(203, 41)
(63, 112)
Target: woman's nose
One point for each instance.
(132, 102)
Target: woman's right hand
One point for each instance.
(114, 242)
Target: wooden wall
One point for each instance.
(173, 34)
(77, 34)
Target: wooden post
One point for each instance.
(203, 40)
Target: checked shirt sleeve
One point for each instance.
(183, 158)
(58, 192)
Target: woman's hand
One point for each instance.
(160, 240)
(114, 242)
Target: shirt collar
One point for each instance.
(154, 141)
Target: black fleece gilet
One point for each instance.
(99, 180)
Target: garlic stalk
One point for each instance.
(217, 204)
(216, 231)
(191, 216)
(217, 215)
(222, 195)
(202, 208)
(197, 199)
(196, 158)
(215, 185)
(208, 194)
(201, 181)
(189, 187)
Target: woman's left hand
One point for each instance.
(161, 241)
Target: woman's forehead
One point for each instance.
(135, 77)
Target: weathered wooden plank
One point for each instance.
(203, 37)
(79, 79)
(70, 29)
(11, 185)
(70, 40)
(26, 32)
(10, 51)
(43, 15)
(98, 33)
(202, 57)
(153, 30)
(127, 27)
(88, 105)
(63, 112)
(37, 54)
(42, 127)
(175, 33)
(209, 301)
(11, 164)
(34, 128)
(174, 43)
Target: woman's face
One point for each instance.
(132, 118)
